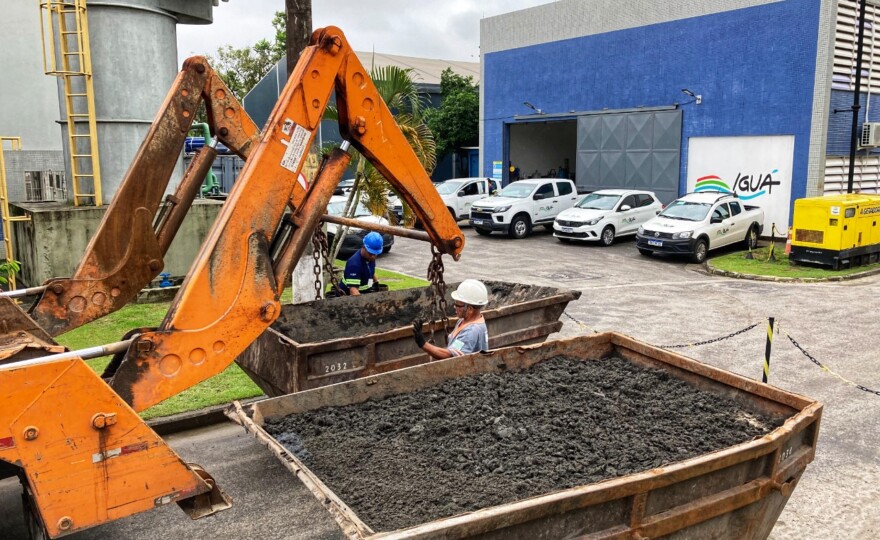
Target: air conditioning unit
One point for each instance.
(870, 135)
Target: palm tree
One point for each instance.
(397, 88)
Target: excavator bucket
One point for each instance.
(20, 337)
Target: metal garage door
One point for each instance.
(638, 150)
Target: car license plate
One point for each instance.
(567, 229)
(477, 221)
(657, 243)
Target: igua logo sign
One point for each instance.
(757, 169)
(746, 186)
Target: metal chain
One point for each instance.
(580, 323)
(316, 254)
(438, 290)
(322, 250)
(824, 367)
(738, 332)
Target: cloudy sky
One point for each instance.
(448, 30)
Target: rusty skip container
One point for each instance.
(339, 339)
(737, 492)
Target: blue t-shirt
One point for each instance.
(358, 273)
(472, 338)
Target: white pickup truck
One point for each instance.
(458, 195)
(698, 222)
(522, 205)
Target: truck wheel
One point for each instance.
(701, 249)
(646, 252)
(520, 227)
(452, 212)
(607, 237)
(482, 232)
(751, 240)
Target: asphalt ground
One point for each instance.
(664, 301)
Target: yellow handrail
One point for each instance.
(15, 145)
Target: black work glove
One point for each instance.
(417, 333)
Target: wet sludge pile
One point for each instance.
(490, 439)
(345, 317)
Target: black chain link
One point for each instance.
(825, 368)
(580, 323)
(708, 341)
(322, 250)
(438, 290)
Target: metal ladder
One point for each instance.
(65, 36)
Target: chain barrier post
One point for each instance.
(772, 256)
(767, 348)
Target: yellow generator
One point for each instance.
(836, 230)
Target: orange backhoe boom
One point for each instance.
(84, 453)
(231, 294)
(127, 250)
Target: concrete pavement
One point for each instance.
(661, 301)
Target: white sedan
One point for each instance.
(604, 215)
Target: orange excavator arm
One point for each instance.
(128, 248)
(231, 294)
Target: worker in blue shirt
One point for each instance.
(360, 269)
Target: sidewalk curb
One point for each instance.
(209, 416)
(754, 277)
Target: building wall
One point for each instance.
(840, 123)
(28, 98)
(53, 242)
(754, 63)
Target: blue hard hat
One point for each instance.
(373, 243)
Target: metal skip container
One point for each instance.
(736, 492)
(339, 339)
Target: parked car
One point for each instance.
(604, 215)
(699, 222)
(397, 207)
(344, 187)
(522, 205)
(354, 239)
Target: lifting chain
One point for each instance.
(322, 251)
(438, 290)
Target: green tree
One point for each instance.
(242, 68)
(456, 122)
(8, 269)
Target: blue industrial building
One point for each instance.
(666, 95)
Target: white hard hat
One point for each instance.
(471, 292)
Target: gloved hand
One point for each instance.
(417, 333)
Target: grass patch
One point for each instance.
(781, 267)
(229, 385)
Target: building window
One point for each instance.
(45, 186)
(845, 47)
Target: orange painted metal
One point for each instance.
(87, 456)
(230, 295)
(124, 255)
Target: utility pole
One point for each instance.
(299, 29)
(854, 137)
(298, 15)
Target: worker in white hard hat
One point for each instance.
(470, 334)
